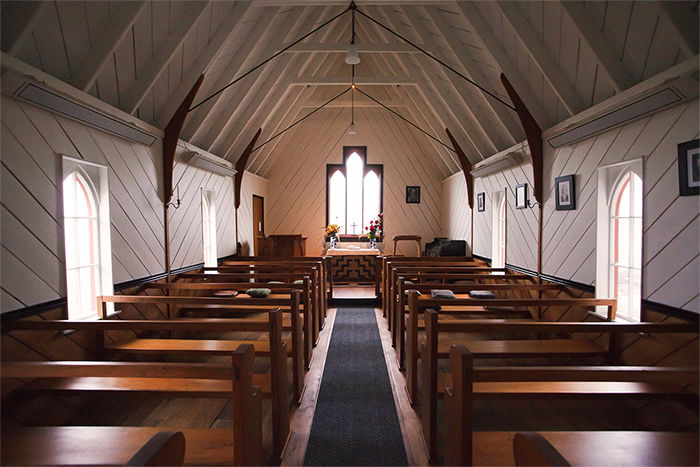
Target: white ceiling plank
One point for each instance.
(17, 23)
(342, 47)
(135, 95)
(205, 59)
(503, 61)
(683, 21)
(196, 119)
(593, 36)
(542, 57)
(105, 45)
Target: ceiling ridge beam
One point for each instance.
(206, 58)
(504, 116)
(158, 63)
(503, 61)
(613, 67)
(542, 57)
(106, 44)
(346, 80)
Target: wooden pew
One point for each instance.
(461, 290)
(467, 384)
(203, 289)
(237, 277)
(234, 382)
(380, 285)
(602, 448)
(230, 307)
(87, 446)
(416, 303)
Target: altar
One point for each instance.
(353, 264)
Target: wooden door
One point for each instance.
(258, 222)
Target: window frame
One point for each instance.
(94, 177)
(208, 206)
(331, 169)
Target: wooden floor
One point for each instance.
(353, 291)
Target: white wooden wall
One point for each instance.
(252, 185)
(297, 189)
(32, 256)
(671, 222)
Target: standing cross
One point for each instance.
(354, 227)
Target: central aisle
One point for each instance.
(355, 422)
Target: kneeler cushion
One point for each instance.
(258, 293)
(482, 294)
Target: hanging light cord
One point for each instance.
(300, 120)
(405, 120)
(354, 8)
(318, 28)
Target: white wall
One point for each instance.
(297, 189)
(251, 185)
(671, 222)
(32, 255)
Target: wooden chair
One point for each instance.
(410, 238)
(234, 382)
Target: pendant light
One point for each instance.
(353, 55)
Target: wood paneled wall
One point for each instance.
(671, 222)
(297, 195)
(32, 256)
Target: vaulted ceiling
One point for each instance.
(143, 57)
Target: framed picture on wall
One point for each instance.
(689, 168)
(481, 202)
(521, 196)
(565, 193)
(413, 194)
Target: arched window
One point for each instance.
(354, 193)
(625, 264)
(498, 242)
(209, 229)
(82, 245)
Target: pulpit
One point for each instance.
(282, 245)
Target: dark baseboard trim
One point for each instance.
(60, 302)
(482, 258)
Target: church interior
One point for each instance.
(369, 233)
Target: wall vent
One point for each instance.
(59, 104)
(497, 163)
(216, 165)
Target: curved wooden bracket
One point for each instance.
(466, 168)
(533, 133)
(240, 169)
(172, 134)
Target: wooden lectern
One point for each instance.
(283, 245)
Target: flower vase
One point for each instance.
(334, 242)
(372, 243)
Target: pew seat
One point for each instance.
(599, 448)
(99, 445)
(198, 346)
(526, 348)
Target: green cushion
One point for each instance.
(482, 294)
(298, 281)
(275, 282)
(442, 293)
(258, 293)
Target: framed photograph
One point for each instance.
(689, 168)
(565, 193)
(481, 202)
(413, 194)
(521, 196)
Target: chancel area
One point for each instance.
(370, 233)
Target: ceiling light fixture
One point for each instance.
(353, 55)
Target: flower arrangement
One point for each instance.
(332, 230)
(375, 228)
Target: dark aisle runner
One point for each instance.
(355, 422)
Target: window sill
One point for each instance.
(66, 332)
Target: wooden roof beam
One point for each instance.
(105, 45)
(159, 63)
(342, 47)
(472, 70)
(359, 80)
(542, 57)
(206, 58)
(592, 35)
(493, 47)
(24, 16)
